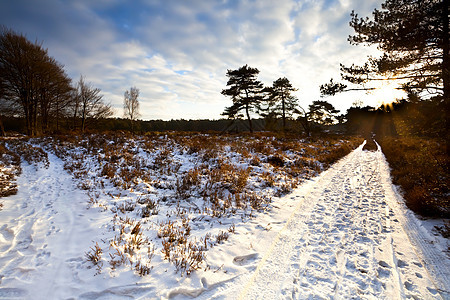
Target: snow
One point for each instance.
(343, 234)
(349, 237)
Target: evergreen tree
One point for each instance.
(414, 36)
(283, 102)
(246, 92)
(322, 112)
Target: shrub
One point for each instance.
(95, 257)
(276, 161)
(10, 169)
(420, 167)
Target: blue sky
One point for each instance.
(177, 52)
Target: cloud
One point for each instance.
(177, 52)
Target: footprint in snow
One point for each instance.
(24, 243)
(245, 259)
(409, 286)
(384, 264)
(41, 257)
(418, 264)
(401, 263)
(8, 234)
(383, 273)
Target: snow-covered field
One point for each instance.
(164, 218)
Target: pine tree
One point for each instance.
(322, 112)
(283, 102)
(414, 36)
(245, 90)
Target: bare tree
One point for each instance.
(29, 78)
(131, 105)
(89, 103)
(54, 92)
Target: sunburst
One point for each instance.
(387, 93)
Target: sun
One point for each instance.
(387, 92)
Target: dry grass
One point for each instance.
(200, 176)
(9, 170)
(11, 153)
(30, 153)
(421, 167)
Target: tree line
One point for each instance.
(35, 87)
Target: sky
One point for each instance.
(177, 52)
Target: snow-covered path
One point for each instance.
(349, 237)
(43, 235)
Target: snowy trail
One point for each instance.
(42, 233)
(348, 238)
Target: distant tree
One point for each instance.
(89, 103)
(245, 91)
(304, 120)
(131, 105)
(282, 101)
(361, 120)
(30, 79)
(320, 112)
(323, 112)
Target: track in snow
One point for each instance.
(348, 238)
(38, 253)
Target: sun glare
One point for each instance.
(387, 93)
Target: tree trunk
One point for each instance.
(83, 119)
(305, 124)
(446, 68)
(2, 129)
(75, 114)
(446, 51)
(284, 114)
(57, 115)
(248, 118)
(34, 119)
